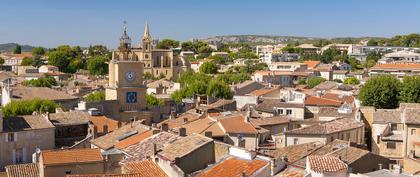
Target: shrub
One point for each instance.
(95, 97)
(27, 107)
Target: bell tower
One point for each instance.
(125, 86)
(146, 39)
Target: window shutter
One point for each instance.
(15, 136)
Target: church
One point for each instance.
(157, 62)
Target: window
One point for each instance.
(10, 137)
(288, 112)
(280, 111)
(19, 155)
(295, 141)
(393, 126)
(413, 131)
(390, 145)
(68, 172)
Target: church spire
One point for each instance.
(125, 40)
(146, 31)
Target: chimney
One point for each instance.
(380, 166)
(105, 129)
(244, 174)
(154, 149)
(185, 120)
(182, 132)
(119, 124)
(248, 115)
(208, 134)
(36, 155)
(165, 127)
(95, 131)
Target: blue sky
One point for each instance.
(83, 22)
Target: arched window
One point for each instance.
(146, 56)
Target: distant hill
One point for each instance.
(267, 39)
(9, 47)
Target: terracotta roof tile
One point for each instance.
(184, 146)
(337, 125)
(29, 93)
(318, 101)
(188, 116)
(108, 175)
(312, 64)
(270, 121)
(28, 122)
(337, 97)
(233, 167)
(323, 164)
(22, 170)
(294, 152)
(100, 121)
(133, 139)
(237, 124)
(58, 157)
(399, 66)
(284, 73)
(146, 168)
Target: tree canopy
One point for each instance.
(38, 51)
(97, 65)
(410, 90)
(95, 97)
(167, 44)
(18, 49)
(27, 61)
(314, 81)
(27, 107)
(41, 82)
(153, 101)
(208, 68)
(381, 92)
(351, 81)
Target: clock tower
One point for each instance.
(125, 85)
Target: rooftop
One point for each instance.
(184, 146)
(69, 118)
(29, 93)
(412, 116)
(327, 85)
(312, 63)
(265, 121)
(267, 105)
(319, 101)
(23, 123)
(146, 168)
(22, 170)
(133, 139)
(100, 121)
(233, 167)
(109, 140)
(323, 164)
(237, 124)
(385, 116)
(385, 173)
(399, 66)
(143, 149)
(76, 156)
(337, 125)
(186, 117)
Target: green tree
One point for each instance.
(95, 97)
(38, 51)
(167, 44)
(151, 101)
(97, 65)
(219, 90)
(351, 81)
(372, 58)
(187, 46)
(314, 81)
(98, 50)
(410, 90)
(148, 76)
(27, 61)
(18, 49)
(27, 107)
(302, 81)
(372, 42)
(205, 50)
(62, 57)
(381, 92)
(1, 61)
(208, 68)
(41, 82)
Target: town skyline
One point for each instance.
(91, 23)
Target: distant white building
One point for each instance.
(400, 56)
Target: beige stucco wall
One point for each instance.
(80, 168)
(28, 141)
(412, 137)
(353, 135)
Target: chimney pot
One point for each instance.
(182, 132)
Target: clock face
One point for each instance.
(131, 97)
(130, 76)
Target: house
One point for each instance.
(400, 57)
(21, 136)
(162, 86)
(386, 172)
(325, 71)
(29, 93)
(312, 64)
(195, 66)
(274, 107)
(347, 129)
(245, 87)
(398, 70)
(47, 69)
(340, 74)
(70, 127)
(282, 78)
(186, 155)
(238, 162)
(144, 168)
(220, 54)
(288, 66)
(59, 163)
(342, 65)
(309, 48)
(326, 166)
(344, 48)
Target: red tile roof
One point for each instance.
(22, 170)
(133, 140)
(284, 73)
(312, 63)
(262, 91)
(58, 157)
(146, 168)
(101, 121)
(323, 164)
(318, 101)
(109, 175)
(337, 97)
(404, 66)
(237, 124)
(233, 167)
